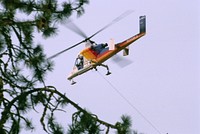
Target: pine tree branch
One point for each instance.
(23, 95)
(52, 90)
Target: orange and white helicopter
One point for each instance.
(94, 55)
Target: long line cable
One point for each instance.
(132, 106)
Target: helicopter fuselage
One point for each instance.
(91, 60)
(94, 56)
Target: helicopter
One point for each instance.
(94, 54)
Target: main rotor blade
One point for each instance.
(55, 55)
(73, 27)
(112, 22)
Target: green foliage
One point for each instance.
(54, 127)
(123, 127)
(23, 66)
(84, 123)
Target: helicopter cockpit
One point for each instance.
(79, 62)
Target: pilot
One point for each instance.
(79, 62)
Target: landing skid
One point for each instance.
(95, 67)
(73, 82)
(108, 73)
(106, 66)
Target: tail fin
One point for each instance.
(142, 24)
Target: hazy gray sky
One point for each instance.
(163, 80)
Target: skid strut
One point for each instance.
(103, 65)
(106, 66)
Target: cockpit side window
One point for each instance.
(79, 62)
